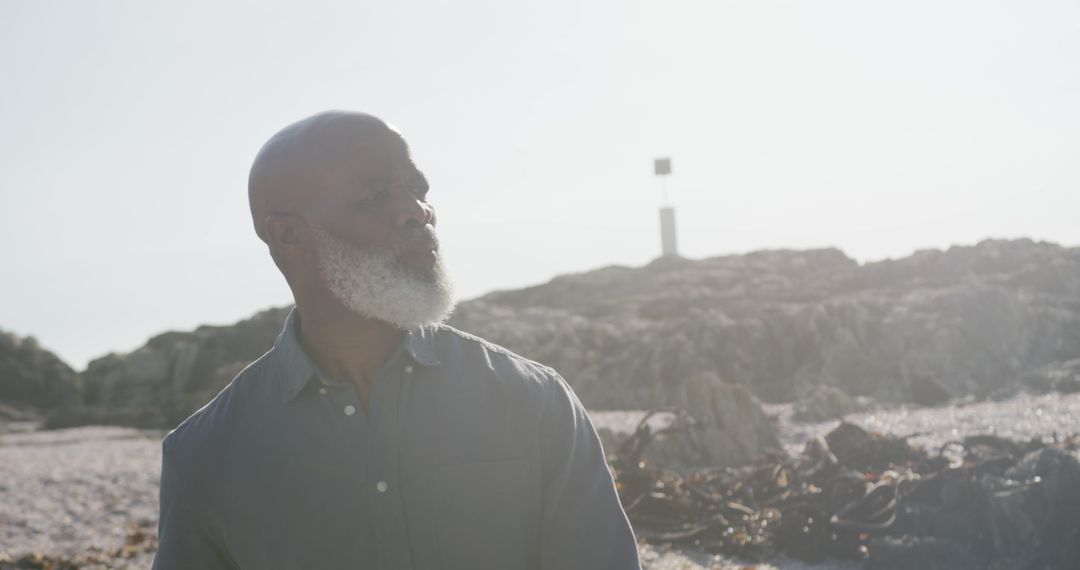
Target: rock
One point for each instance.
(1062, 377)
(174, 374)
(928, 553)
(17, 418)
(927, 391)
(937, 324)
(828, 403)
(734, 429)
(32, 377)
(724, 426)
(862, 451)
(731, 429)
(934, 325)
(10, 413)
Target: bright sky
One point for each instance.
(127, 129)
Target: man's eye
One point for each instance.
(376, 198)
(420, 192)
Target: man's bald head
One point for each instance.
(287, 171)
(344, 210)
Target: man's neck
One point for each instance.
(346, 346)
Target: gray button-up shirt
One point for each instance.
(471, 457)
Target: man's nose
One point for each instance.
(413, 210)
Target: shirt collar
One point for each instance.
(420, 342)
(295, 369)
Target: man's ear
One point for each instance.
(284, 232)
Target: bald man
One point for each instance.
(372, 435)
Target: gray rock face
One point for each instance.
(778, 324)
(175, 373)
(705, 422)
(732, 428)
(32, 377)
(826, 403)
(784, 322)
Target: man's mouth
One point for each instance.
(419, 256)
(421, 247)
(419, 253)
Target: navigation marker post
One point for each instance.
(668, 246)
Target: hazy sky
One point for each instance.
(127, 129)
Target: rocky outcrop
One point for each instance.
(1061, 377)
(826, 403)
(781, 325)
(171, 376)
(974, 319)
(32, 378)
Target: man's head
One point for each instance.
(344, 211)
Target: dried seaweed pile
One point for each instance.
(984, 502)
(139, 541)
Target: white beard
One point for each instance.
(374, 284)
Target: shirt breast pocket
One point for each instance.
(486, 516)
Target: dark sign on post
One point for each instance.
(662, 166)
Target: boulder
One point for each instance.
(924, 553)
(712, 423)
(826, 403)
(927, 391)
(33, 377)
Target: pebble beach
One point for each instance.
(69, 492)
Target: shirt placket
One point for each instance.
(359, 445)
(391, 532)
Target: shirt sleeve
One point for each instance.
(184, 538)
(583, 524)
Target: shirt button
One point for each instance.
(322, 391)
(381, 486)
(350, 410)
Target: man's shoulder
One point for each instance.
(207, 430)
(463, 348)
